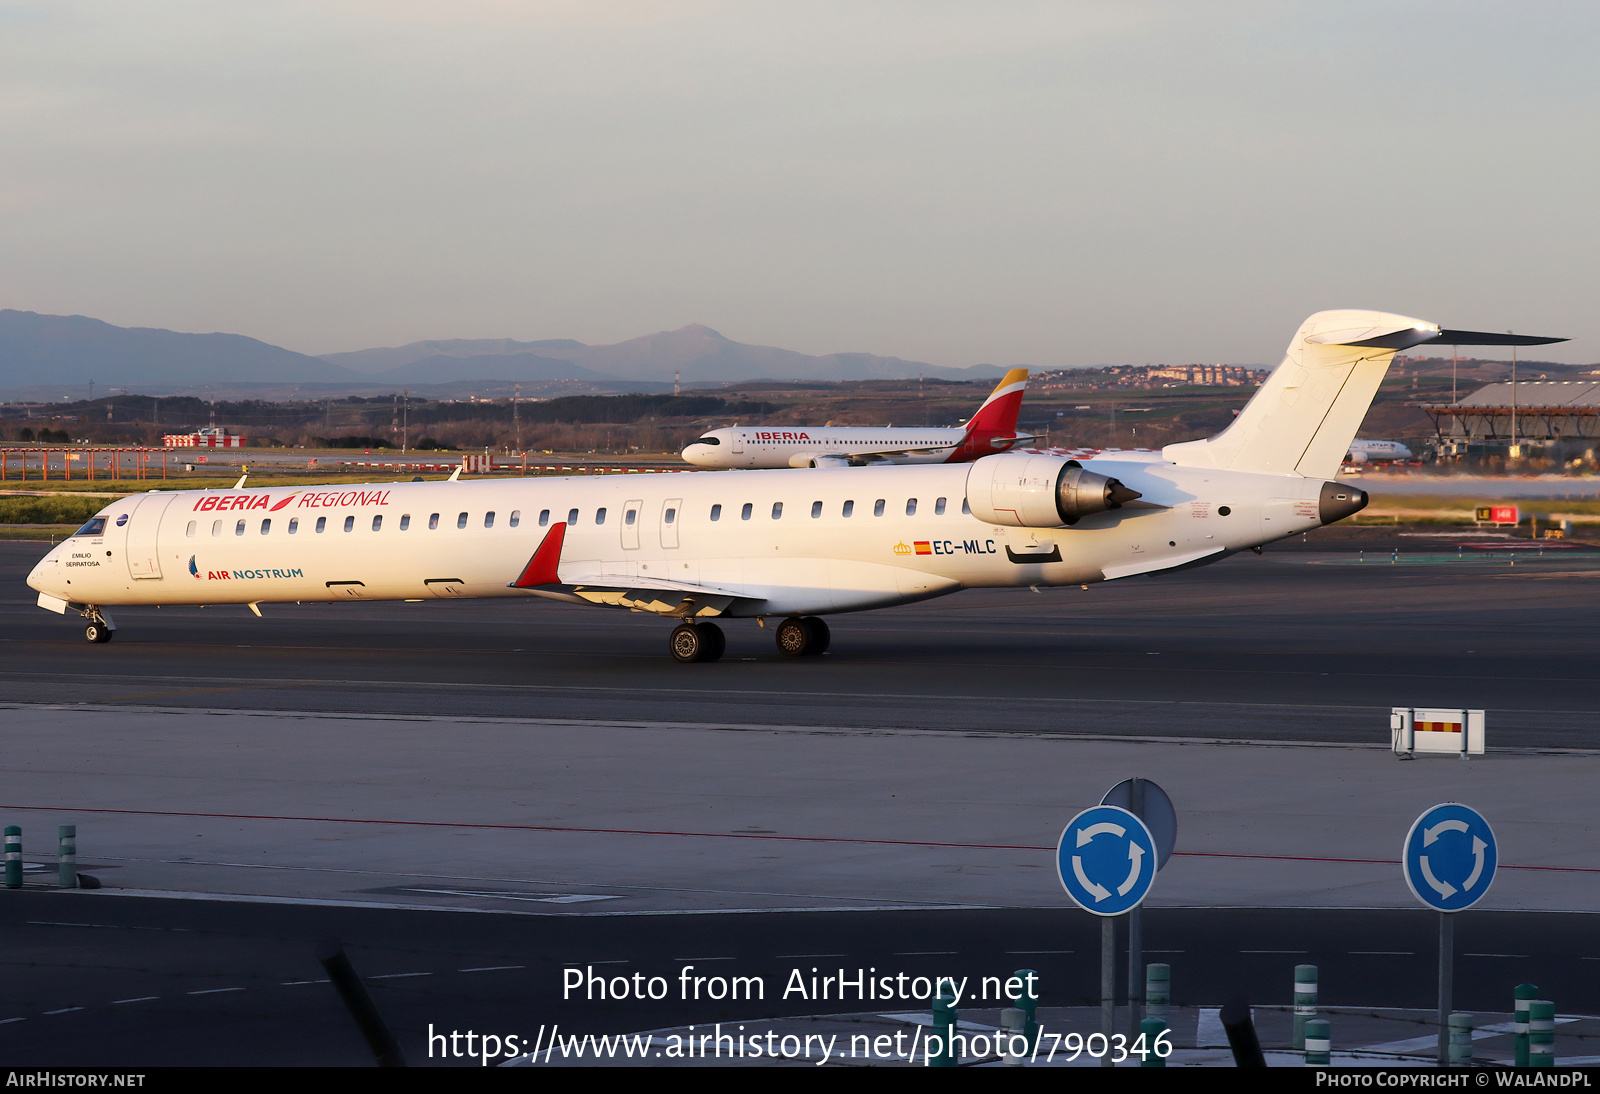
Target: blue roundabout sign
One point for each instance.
(1449, 857)
(1107, 860)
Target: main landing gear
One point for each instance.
(803, 636)
(798, 636)
(692, 642)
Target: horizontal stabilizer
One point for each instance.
(1379, 338)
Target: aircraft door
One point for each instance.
(632, 517)
(671, 516)
(144, 522)
(738, 442)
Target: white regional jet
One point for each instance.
(992, 429)
(693, 547)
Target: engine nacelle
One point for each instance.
(1027, 491)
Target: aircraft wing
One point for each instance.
(547, 576)
(659, 596)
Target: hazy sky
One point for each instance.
(1009, 182)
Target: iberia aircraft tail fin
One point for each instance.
(998, 414)
(994, 427)
(1304, 417)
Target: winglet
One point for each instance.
(541, 568)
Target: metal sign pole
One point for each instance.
(1135, 931)
(1447, 968)
(1108, 982)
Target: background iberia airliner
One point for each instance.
(992, 429)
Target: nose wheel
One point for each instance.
(803, 636)
(691, 642)
(98, 633)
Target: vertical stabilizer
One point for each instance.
(994, 427)
(1304, 417)
(999, 411)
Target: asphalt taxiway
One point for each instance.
(1290, 645)
(469, 790)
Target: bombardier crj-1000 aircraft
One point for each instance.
(992, 429)
(780, 545)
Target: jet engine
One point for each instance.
(1028, 491)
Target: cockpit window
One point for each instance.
(95, 527)
(709, 440)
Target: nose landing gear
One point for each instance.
(100, 628)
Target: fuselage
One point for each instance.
(755, 447)
(785, 542)
(1377, 451)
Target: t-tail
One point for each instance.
(994, 427)
(1305, 416)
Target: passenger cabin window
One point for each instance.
(189, 531)
(716, 512)
(849, 509)
(744, 514)
(266, 526)
(350, 523)
(488, 519)
(670, 516)
(516, 517)
(938, 508)
(216, 528)
(911, 507)
(433, 522)
(777, 510)
(322, 523)
(572, 517)
(377, 522)
(966, 510)
(405, 521)
(544, 517)
(294, 525)
(599, 516)
(877, 508)
(238, 529)
(461, 520)
(816, 510)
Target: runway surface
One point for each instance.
(1292, 645)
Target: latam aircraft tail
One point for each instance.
(1304, 417)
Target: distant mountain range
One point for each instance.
(49, 357)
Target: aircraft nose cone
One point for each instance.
(44, 577)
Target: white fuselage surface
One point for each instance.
(737, 543)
